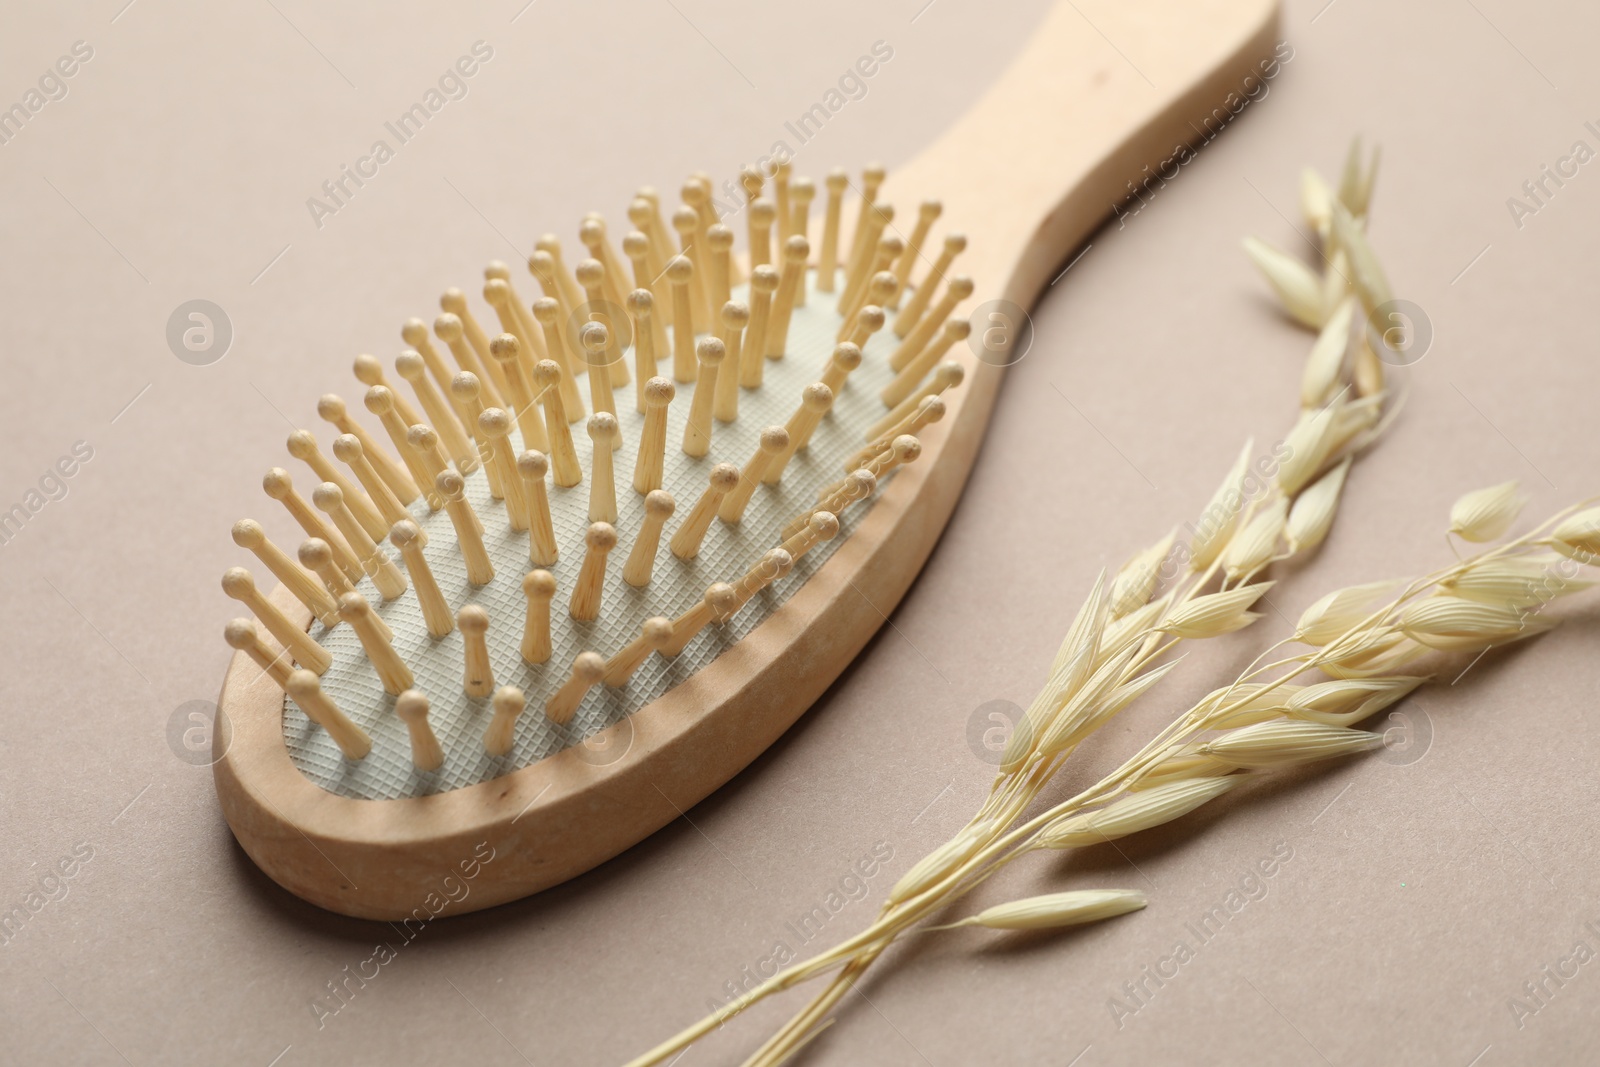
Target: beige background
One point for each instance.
(1421, 895)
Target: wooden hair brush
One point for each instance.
(595, 551)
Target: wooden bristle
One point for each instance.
(602, 479)
(453, 301)
(248, 534)
(441, 416)
(408, 537)
(333, 408)
(929, 410)
(658, 507)
(242, 635)
(846, 357)
(774, 442)
(719, 252)
(927, 213)
(821, 526)
(369, 372)
(477, 678)
(802, 191)
(687, 223)
(539, 586)
(469, 531)
(508, 705)
(414, 332)
(866, 254)
(494, 432)
(392, 670)
(316, 555)
(957, 289)
(412, 709)
(280, 487)
(795, 252)
(646, 344)
(945, 375)
(506, 351)
(680, 273)
(762, 215)
(780, 199)
(653, 635)
(347, 449)
(467, 389)
(648, 464)
(718, 605)
(917, 368)
(587, 669)
(598, 542)
(563, 457)
(685, 543)
(764, 283)
(600, 355)
(532, 467)
(303, 446)
(709, 354)
(731, 322)
(306, 691)
(911, 314)
(828, 260)
(814, 403)
(382, 402)
(448, 328)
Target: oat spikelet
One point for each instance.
(1517, 581)
(1578, 537)
(1355, 183)
(1316, 201)
(1280, 744)
(1131, 814)
(937, 864)
(1334, 614)
(1377, 654)
(1066, 728)
(1298, 289)
(1451, 623)
(1309, 443)
(1324, 370)
(1336, 284)
(1137, 579)
(1128, 629)
(1253, 547)
(1365, 273)
(1347, 701)
(1311, 517)
(1367, 372)
(1486, 514)
(1215, 613)
(1245, 704)
(1182, 762)
(1217, 521)
(1056, 909)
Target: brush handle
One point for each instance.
(1101, 91)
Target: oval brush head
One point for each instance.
(583, 505)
